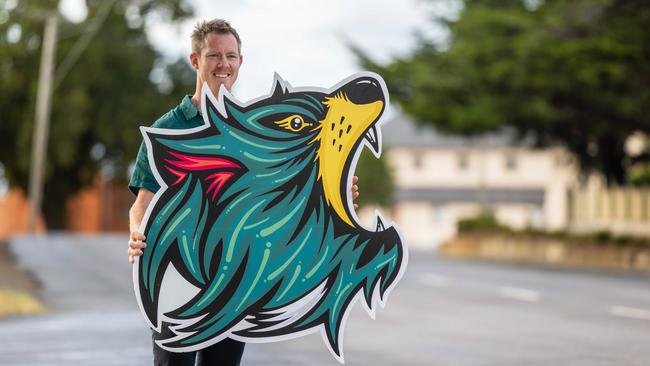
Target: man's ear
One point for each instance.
(194, 60)
(241, 59)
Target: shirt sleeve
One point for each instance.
(142, 176)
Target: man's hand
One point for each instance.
(355, 190)
(136, 213)
(136, 244)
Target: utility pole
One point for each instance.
(42, 119)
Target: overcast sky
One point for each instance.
(304, 41)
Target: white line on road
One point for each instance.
(627, 312)
(433, 280)
(520, 294)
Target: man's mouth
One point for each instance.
(221, 75)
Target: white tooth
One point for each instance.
(379, 226)
(373, 135)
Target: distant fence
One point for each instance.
(101, 207)
(622, 210)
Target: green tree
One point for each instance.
(569, 72)
(97, 106)
(376, 184)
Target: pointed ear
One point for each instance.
(231, 106)
(214, 109)
(226, 102)
(279, 87)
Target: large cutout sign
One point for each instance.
(253, 234)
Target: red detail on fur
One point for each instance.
(180, 175)
(215, 180)
(194, 163)
(218, 180)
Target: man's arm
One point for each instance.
(136, 213)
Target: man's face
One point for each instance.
(219, 61)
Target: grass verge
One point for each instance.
(19, 289)
(14, 303)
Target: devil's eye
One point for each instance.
(294, 123)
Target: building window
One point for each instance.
(439, 214)
(417, 160)
(511, 162)
(463, 161)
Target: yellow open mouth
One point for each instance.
(341, 134)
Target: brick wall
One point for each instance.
(14, 211)
(102, 207)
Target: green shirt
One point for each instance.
(184, 116)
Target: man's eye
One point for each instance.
(293, 123)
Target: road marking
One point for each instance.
(520, 294)
(627, 312)
(434, 280)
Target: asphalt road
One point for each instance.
(442, 313)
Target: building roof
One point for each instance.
(404, 131)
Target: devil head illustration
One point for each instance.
(255, 213)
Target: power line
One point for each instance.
(93, 27)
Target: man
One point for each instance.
(216, 57)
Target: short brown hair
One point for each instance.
(219, 26)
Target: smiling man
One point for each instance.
(216, 58)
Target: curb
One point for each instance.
(547, 251)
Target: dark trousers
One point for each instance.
(225, 353)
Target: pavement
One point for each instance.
(443, 312)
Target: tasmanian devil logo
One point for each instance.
(256, 217)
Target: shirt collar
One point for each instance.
(188, 108)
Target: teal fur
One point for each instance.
(268, 239)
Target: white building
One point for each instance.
(441, 179)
